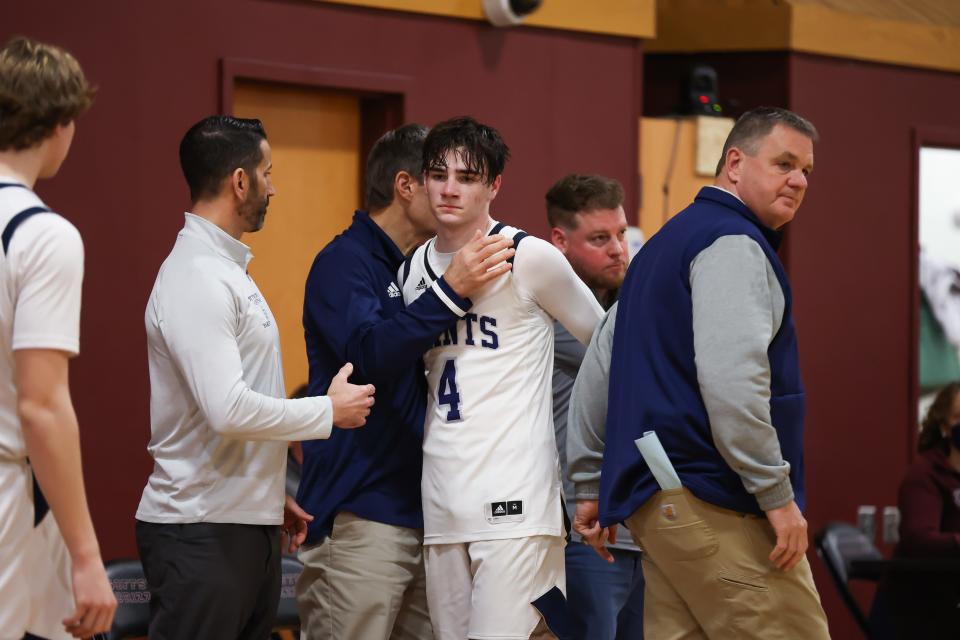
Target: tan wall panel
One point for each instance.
(818, 29)
(707, 25)
(898, 34)
(315, 139)
(657, 139)
(631, 18)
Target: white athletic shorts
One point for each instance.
(484, 590)
(35, 587)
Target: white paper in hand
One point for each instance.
(656, 458)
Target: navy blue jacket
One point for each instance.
(653, 376)
(353, 312)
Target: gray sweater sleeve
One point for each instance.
(738, 307)
(587, 417)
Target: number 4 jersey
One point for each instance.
(490, 466)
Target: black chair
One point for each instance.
(132, 618)
(840, 544)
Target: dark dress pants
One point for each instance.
(211, 580)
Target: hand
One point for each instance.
(586, 522)
(295, 521)
(478, 262)
(791, 529)
(351, 402)
(94, 599)
(296, 450)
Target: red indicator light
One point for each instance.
(704, 99)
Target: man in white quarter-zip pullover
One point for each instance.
(207, 525)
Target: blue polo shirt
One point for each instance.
(353, 312)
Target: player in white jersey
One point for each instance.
(492, 499)
(52, 579)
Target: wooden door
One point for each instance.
(315, 137)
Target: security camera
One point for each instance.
(507, 13)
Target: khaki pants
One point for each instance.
(709, 575)
(365, 580)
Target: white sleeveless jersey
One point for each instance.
(490, 466)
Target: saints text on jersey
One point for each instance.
(476, 331)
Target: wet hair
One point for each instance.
(755, 125)
(216, 146)
(398, 150)
(577, 193)
(938, 416)
(41, 87)
(480, 147)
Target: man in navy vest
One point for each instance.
(705, 355)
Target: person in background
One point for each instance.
(588, 226)
(52, 579)
(926, 606)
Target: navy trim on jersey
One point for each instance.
(496, 229)
(16, 221)
(553, 607)
(406, 269)
(40, 506)
(426, 260)
(520, 235)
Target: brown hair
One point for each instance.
(756, 124)
(41, 86)
(576, 193)
(937, 417)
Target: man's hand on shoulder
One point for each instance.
(478, 262)
(351, 402)
(791, 529)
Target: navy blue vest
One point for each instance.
(653, 377)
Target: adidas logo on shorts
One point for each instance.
(422, 285)
(393, 291)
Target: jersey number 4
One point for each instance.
(447, 392)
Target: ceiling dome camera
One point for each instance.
(507, 13)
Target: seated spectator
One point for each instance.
(929, 495)
(925, 605)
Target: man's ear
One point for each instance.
(559, 239)
(733, 164)
(404, 185)
(239, 183)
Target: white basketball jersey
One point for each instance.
(490, 465)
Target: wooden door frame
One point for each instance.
(382, 95)
(921, 136)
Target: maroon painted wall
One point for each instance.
(564, 102)
(852, 263)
